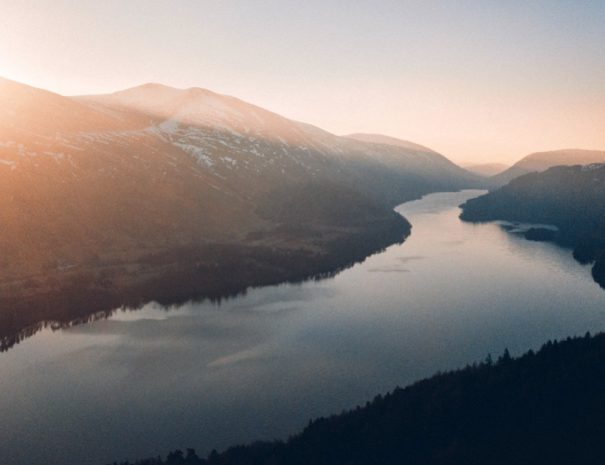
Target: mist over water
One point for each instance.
(260, 365)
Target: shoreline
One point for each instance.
(196, 273)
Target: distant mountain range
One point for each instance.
(541, 161)
(569, 197)
(500, 174)
(162, 193)
(486, 169)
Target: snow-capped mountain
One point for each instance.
(236, 140)
(113, 192)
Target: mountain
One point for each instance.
(486, 169)
(541, 161)
(423, 159)
(289, 150)
(157, 193)
(570, 197)
(543, 407)
(387, 140)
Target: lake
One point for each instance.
(259, 366)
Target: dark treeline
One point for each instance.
(546, 407)
(569, 197)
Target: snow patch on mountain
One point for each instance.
(196, 152)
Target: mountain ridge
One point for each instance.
(541, 161)
(388, 140)
(100, 195)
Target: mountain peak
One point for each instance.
(148, 86)
(202, 108)
(157, 89)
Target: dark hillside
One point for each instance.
(569, 197)
(541, 408)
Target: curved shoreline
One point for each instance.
(213, 271)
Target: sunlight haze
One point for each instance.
(223, 222)
(476, 81)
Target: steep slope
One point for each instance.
(541, 161)
(569, 197)
(168, 194)
(388, 140)
(284, 150)
(93, 205)
(73, 175)
(543, 407)
(28, 112)
(421, 159)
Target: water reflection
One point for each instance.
(257, 366)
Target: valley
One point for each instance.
(302, 233)
(259, 365)
(157, 193)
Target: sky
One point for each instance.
(479, 81)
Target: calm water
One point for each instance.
(259, 366)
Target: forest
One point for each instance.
(541, 407)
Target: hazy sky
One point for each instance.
(476, 80)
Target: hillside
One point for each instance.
(543, 407)
(284, 150)
(424, 157)
(387, 140)
(541, 161)
(156, 193)
(571, 198)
